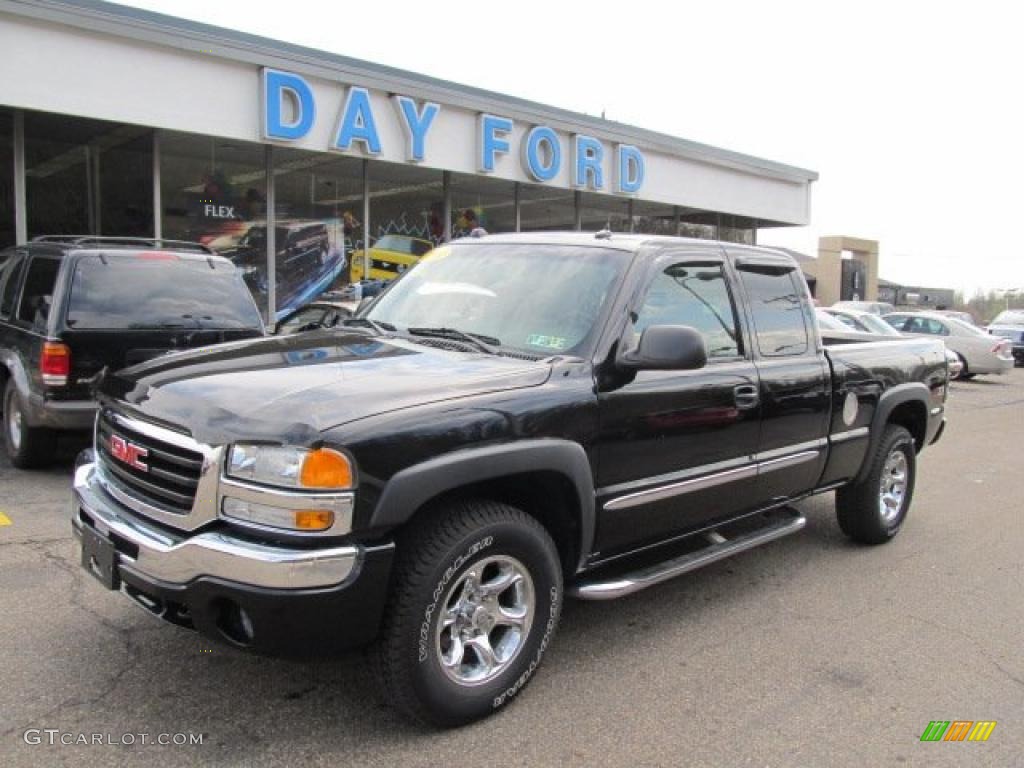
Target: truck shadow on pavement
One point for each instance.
(126, 666)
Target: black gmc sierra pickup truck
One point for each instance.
(517, 419)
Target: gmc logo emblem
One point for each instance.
(129, 453)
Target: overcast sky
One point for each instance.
(910, 111)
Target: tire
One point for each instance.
(964, 374)
(27, 447)
(436, 559)
(870, 512)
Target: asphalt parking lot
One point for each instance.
(810, 651)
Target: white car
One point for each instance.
(978, 351)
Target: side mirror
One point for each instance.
(667, 348)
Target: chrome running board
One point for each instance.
(783, 522)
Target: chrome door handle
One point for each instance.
(746, 396)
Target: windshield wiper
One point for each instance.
(487, 344)
(379, 327)
(157, 326)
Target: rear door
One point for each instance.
(794, 378)
(676, 447)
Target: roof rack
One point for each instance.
(149, 242)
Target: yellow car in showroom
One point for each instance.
(390, 256)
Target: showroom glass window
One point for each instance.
(779, 308)
(87, 177)
(604, 212)
(482, 201)
(214, 191)
(546, 208)
(318, 210)
(7, 233)
(406, 200)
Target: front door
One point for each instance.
(676, 448)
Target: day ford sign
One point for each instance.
(289, 114)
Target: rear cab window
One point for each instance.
(115, 291)
(779, 309)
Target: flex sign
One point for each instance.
(289, 112)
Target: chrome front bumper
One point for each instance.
(175, 559)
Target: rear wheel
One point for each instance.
(873, 510)
(26, 446)
(476, 597)
(965, 375)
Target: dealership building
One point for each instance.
(120, 122)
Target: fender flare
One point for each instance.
(411, 488)
(887, 403)
(15, 369)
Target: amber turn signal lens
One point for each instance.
(326, 468)
(313, 519)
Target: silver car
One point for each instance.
(978, 351)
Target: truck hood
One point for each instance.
(292, 388)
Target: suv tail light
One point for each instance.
(55, 363)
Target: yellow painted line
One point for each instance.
(5, 520)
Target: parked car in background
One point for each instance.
(860, 326)
(875, 307)
(390, 256)
(74, 307)
(1009, 325)
(978, 351)
(861, 320)
(314, 316)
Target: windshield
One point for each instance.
(400, 244)
(541, 299)
(149, 290)
(876, 324)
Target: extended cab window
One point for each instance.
(777, 306)
(698, 296)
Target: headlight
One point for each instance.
(289, 467)
(302, 488)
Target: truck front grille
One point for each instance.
(154, 471)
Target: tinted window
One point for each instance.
(14, 272)
(148, 290)
(899, 322)
(925, 325)
(777, 306)
(697, 296)
(38, 293)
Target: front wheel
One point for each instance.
(475, 600)
(872, 510)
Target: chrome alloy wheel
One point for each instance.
(14, 418)
(893, 486)
(486, 619)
